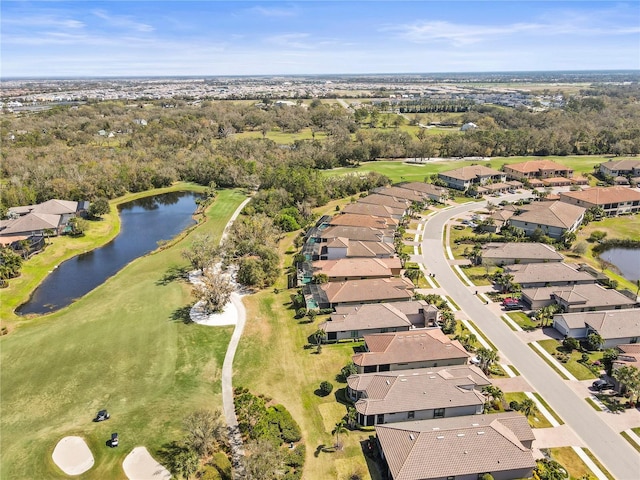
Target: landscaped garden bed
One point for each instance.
(573, 361)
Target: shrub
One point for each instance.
(514, 405)
(326, 388)
(301, 312)
(597, 235)
(296, 456)
(346, 371)
(289, 429)
(222, 464)
(210, 473)
(584, 358)
(571, 344)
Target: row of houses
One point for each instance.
(545, 173)
(353, 252)
(587, 306)
(413, 382)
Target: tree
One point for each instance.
(528, 407)
(580, 248)
(326, 388)
(339, 429)
(346, 371)
(215, 290)
(202, 253)
(628, 377)
(595, 341)
(100, 206)
(182, 461)
(608, 357)
(493, 393)
(78, 226)
(318, 336)
(549, 470)
(352, 417)
(487, 358)
(204, 431)
(571, 344)
(264, 461)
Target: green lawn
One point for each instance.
(123, 347)
(570, 460)
(523, 320)
(536, 420)
(478, 275)
(576, 368)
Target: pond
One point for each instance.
(144, 223)
(626, 260)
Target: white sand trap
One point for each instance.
(140, 465)
(73, 456)
(228, 316)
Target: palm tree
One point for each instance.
(487, 358)
(318, 336)
(352, 417)
(339, 428)
(494, 394)
(528, 407)
(628, 377)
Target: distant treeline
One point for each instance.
(108, 148)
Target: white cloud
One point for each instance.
(291, 40)
(119, 21)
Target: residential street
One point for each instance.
(618, 456)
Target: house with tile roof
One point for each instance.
(354, 220)
(462, 178)
(628, 356)
(577, 298)
(508, 253)
(387, 200)
(425, 348)
(355, 321)
(542, 169)
(356, 268)
(620, 168)
(401, 193)
(419, 394)
(530, 275)
(613, 200)
(553, 218)
(458, 448)
(341, 247)
(365, 234)
(51, 216)
(432, 192)
(375, 210)
(616, 327)
(352, 292)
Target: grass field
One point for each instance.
(536, 420)
(124, 347)
(577, 369)
(523, 320)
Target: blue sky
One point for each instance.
(115, 38)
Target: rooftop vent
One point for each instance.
(461, 434)
(440, 437)
(411, 436)
(480, 433)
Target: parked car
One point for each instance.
(601, 384)
(101, 416)
(511, 304)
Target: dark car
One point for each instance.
(601, 385)
(511, 304)
(101, 416)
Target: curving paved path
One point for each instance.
(615, 453)
(235, 439)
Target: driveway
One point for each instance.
(590, 427)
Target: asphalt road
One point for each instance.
(613, 451)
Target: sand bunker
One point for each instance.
(73, 456)
(140, 465)
(229, 315)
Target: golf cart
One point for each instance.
(101, 416)
(114, 440)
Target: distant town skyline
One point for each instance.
(164, 38)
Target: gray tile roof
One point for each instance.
(552, 272)
(609, 324)
(431, 449)
(376, 315)
(406, 347)
(553, 214)
(419, 389)
(31, 222)
(517, 250)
